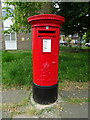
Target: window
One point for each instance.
(4, 13)
(7, 37)
(10, 37)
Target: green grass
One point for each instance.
(73, 66)
(17, 66)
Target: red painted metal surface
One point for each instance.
(45, 48)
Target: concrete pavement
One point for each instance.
(61, 109)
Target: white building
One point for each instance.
(10, 39)
(14, 41)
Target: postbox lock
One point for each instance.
(53, 62)
(47, 27)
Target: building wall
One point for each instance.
(24, 41)
(3, 42)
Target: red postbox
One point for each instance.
(45, 51)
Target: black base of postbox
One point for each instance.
(45, 95)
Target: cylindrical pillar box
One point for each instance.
(45, 51)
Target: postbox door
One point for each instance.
(45, 63)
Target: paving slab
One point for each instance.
(5, 114)
(14, 96)
(23, 116)
(69, 110)
(74, 93)
(74, 110)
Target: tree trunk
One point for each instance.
(80, 39)
(46, 8)
(88, 36)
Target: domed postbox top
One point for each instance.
(46, 18)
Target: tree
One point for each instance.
(77, 16)
(23, 10)
(88, 36)
(20, 13)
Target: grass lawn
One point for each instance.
(17, 66)
(73, 64)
